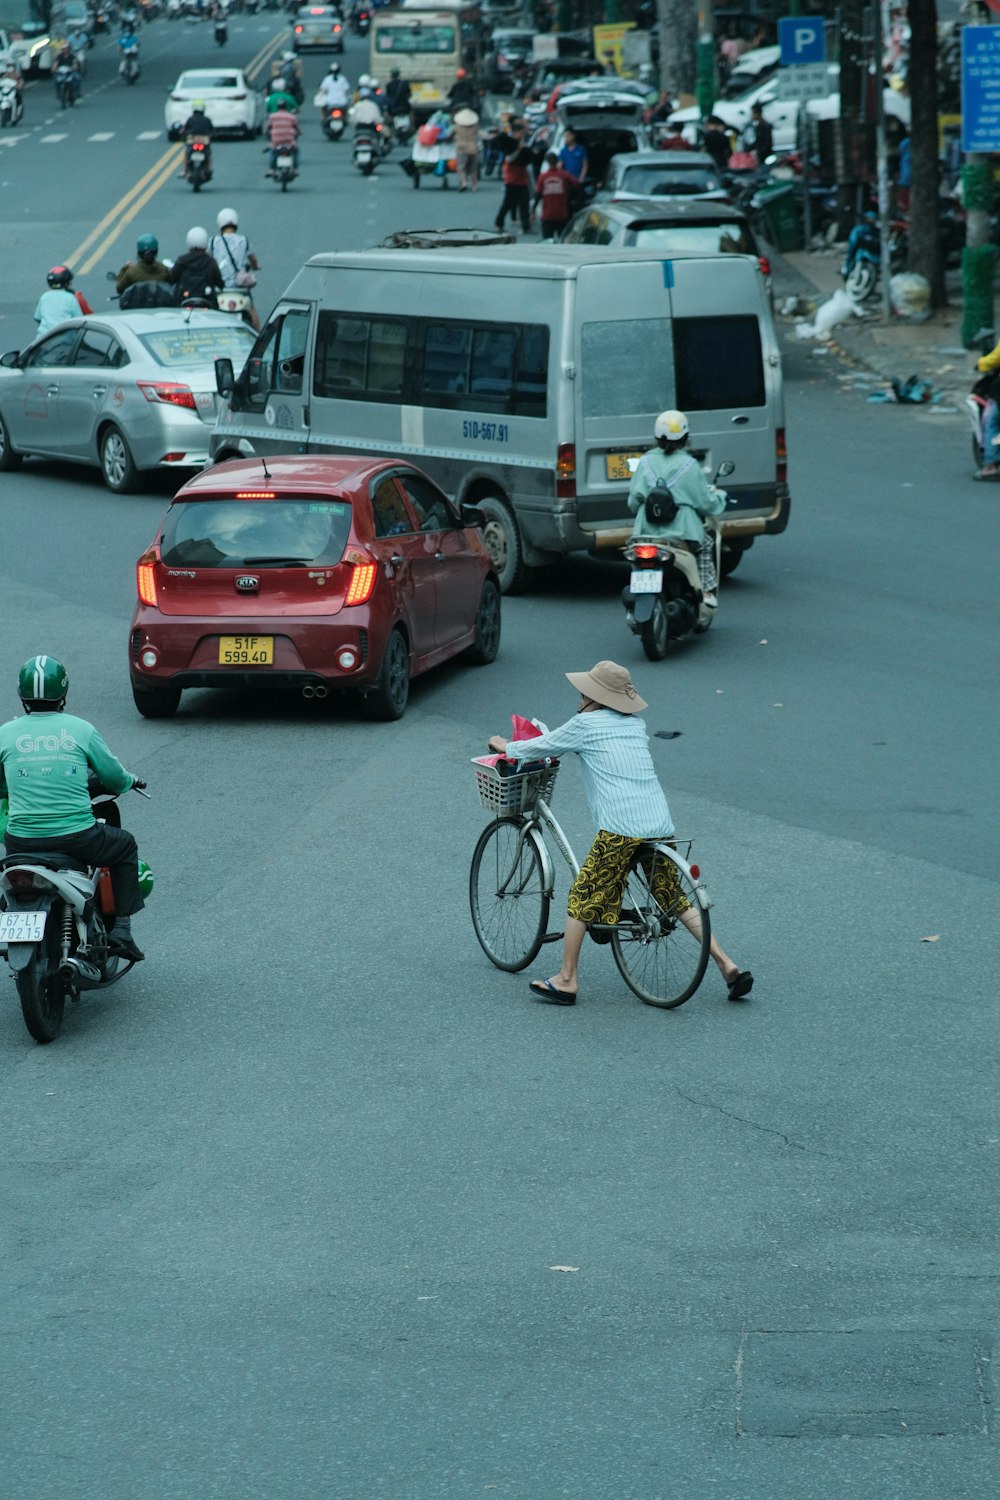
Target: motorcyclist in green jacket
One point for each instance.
(45, 761)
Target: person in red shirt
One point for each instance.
(283, 131)
(516, 179)
(552, 190)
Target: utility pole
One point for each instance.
(678, 22)
(705, 80)
(881, 160)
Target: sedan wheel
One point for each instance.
(117, 464)
(8, 458)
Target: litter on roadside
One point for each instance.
(912, 392)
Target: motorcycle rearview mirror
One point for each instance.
(725, 468)
(225, 378)
(111, 275)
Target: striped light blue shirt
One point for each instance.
(619, 779)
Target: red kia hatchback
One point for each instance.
(314, 573)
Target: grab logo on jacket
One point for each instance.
(33, 744)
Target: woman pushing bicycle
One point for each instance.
(629, 809)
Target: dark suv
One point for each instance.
(508, 57)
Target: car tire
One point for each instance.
(117, 464)
(391, 693)
(503, 542)
(156, 702)
(9, 459)
(485, 647)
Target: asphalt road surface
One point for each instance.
(319, 1204)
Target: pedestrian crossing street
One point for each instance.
(14, 137)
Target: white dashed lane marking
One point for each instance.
(149, 135)
(51, 140)
(101, 135)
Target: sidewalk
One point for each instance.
(897, 349)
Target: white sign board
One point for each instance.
(804, 81)
(544, 46)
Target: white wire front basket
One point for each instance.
(516, 791)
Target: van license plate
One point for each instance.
(22, 926)
(646, 580)
(621, 465)
(246, 650)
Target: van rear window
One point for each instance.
(627, 367)
(719, 363)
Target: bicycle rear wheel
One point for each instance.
(659, 956)
(507, 895)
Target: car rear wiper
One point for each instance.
(277, 562)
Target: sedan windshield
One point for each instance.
(236, 533)
(655, 181)
(177, 348)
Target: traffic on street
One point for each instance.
(497, 776)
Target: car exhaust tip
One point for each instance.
(308, 691)
(321, 691)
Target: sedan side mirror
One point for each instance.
(472, 516)
(225, 378)
(12, 360)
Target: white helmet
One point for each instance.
(227, 216)
(364, 82)
(374, 84)
(197, 239)
(288, 57)
(672, 425)
(335, 69)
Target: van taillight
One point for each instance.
(566, 471)
(764, 265)
(781, 455)
(145, 578)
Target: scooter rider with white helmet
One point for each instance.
(335, 91)
(669, 464)
(233, 254)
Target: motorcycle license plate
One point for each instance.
(646, 580)
(364, 156)
(401, 122)
(620, 465)
(246, 650)
(284, 164)
(22, 926)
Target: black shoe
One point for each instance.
(121, 941)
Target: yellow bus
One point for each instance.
(428, 41)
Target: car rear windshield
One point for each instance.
(655, 182)
(719, 363)
(709, 239)
(204, 82)
(175, 348)
(255, 533)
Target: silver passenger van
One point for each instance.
(524, 381)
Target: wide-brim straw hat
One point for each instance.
(611, 686)
(465, 117)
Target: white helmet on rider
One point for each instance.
(197, 238)
(374, 85)
(335, 70)
(364, 82)
(227, 216)
(671, 425)
(288, 57)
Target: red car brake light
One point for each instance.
(255, 495)
(298, 28)
(169, 392)
(362, 583)
(145, 578)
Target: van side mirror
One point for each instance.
(472, 516)
(12, 360)
(225, 378)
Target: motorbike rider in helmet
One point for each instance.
(45, 760)
(681, 472)
(58, 303)
(196, 274)
(145, 267)
(198, 126)
(290, 76)
(335, 91)
(233, 254)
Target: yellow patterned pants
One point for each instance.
(596, 893)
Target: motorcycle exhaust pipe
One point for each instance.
(78, 974)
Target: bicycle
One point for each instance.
(661, 950)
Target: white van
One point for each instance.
(525, 381)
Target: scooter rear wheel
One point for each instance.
(655, 633)
(42, 997)
(861, 279)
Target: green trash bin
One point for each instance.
(781, 215)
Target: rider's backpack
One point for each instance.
(661, 507)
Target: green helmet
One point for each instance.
(42, 680)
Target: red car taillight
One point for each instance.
(362, 582)
(566, 471)
(298, 29)
(781, 455)
(145, 578)
(169, 392)
(647, 552)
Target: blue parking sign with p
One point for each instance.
(802, 40)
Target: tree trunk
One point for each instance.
(678, 21)
(925, 242)
(849, 136)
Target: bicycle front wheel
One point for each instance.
(661, 942)
(507, 895)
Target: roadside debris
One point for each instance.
(834, 310)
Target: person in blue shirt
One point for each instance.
(58, 303)
(628, 807)
(573, 156)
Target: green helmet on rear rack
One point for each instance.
(42, 679)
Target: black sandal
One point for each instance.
(741, 986)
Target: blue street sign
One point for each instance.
(801, 40)
(981, 88)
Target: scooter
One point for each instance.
(334, 122)
(55, 916)
(238, 301)
(361, 21)
(284, 168)
(67, 82)
(365, 149)
(862, 264)
(220, 31)
(402, 124)
(11, 103)
(664, 599)
(983, 392)
(197, 169)
(129, 65)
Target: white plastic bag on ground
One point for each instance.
(910, 295)
(834, 310)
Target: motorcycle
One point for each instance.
(365, 150)
(197, 169)
(403, 125)
(983, 392)
(55, 916)
(129, 65)
(361, 21)
(334, 123)
(862, 264)
(11, 104)
(238, 301)
(102, 18)
(220, 31)
(664, 599)
(67, 82)
(284, 168)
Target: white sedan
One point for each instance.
(230, 103)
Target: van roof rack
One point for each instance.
(444, 239)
